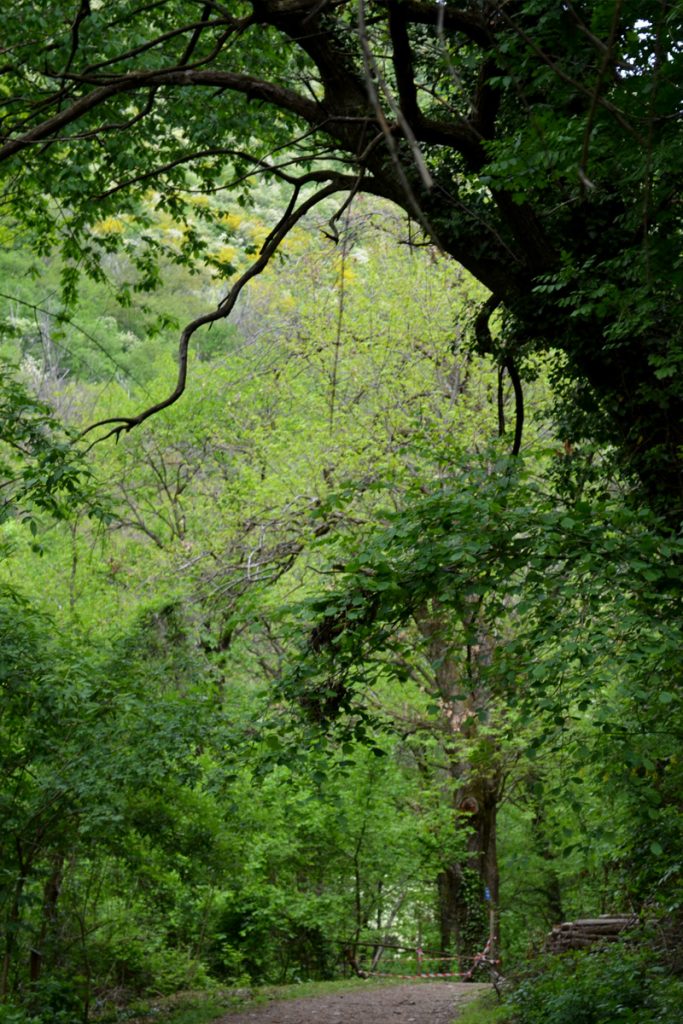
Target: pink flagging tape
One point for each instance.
(476, 961)
(431, 974)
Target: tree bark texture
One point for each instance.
(468, 890)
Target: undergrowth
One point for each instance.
(487, 1009)
(615, 985)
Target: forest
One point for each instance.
(341, 489)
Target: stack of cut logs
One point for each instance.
(585, 933)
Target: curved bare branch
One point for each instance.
(291, 217)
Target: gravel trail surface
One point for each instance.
(432, 1002)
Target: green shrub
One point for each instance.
(15, 1015)
(54, 999)
(609, 986)
(141, 963)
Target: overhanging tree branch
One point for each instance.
(291, 216)
(251, 87)
(423, 12)
(485, 344)
(256, 163)
(500, 103)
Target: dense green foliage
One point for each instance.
(616, 985)
(373, 641)
(537, 144)
(290, 616)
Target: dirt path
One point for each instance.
(428, 1003)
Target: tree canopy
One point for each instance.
(370, 645)
(536, 143)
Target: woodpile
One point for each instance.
(587, 932)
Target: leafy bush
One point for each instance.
(609, 986)
(15, 1015)
(57, 998)
(54, 999)
(145, 964)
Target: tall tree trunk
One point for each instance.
(468, 889)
